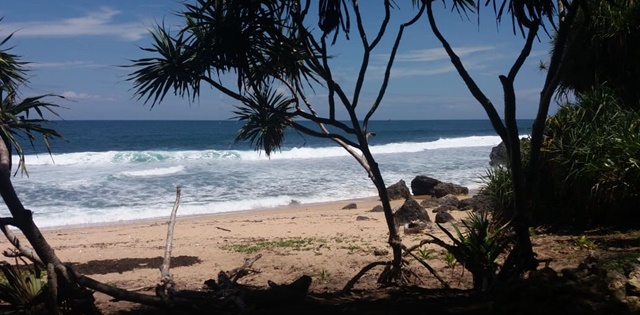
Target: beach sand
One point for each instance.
(323, 241)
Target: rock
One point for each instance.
(362, 218)
(377, 208)
(350, 206)
(444, 217)
(443, 189)
(444, 208)
(423, 185)
(480, 202)
(466, 204)
(415, 227)
(380, 252)
(410, 211)
(399, 190)
(449, 200)
(498, 155)
(430, 203)
(633, 286)
(616, 283)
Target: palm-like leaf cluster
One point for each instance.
(17, 119)
(266, 119)
(20, 289)
(478, 247)
(258, 41)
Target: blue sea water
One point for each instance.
(109, 171)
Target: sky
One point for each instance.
(77, 49)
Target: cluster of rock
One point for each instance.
(441, 197)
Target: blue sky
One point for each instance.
(77, 47)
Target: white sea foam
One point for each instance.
(161, 171)
(125, 157)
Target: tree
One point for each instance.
(17, 123)
(268, 45)
(529, 17)
(604, 45)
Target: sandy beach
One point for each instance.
(324, 241)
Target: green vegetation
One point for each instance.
(587, 171)
(593, 158)
(426, 253)
(450, 259)
(618, 261)
(583, 242)
(324, 276)
(477, 248)
(22, 289)
(296, 244)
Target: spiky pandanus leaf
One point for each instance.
(20, 288)
(16, 118)
(266, 118)
(17, 122)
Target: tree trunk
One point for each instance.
(23, 219)
(394, 238)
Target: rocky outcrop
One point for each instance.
(423, 185)
(398, 191)
(444, 217)
(498, 155)
(409, 212)
(427, 186)
(443, 189)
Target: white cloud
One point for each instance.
(74, 96)
(99, 22)
(66, 65)
(434, 54)
(414, 71)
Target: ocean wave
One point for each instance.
(150, 157)
(162, 171)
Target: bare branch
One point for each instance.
(166, 281)
(22, 250)
(387, 72)
(471, 84)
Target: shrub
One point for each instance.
(22, 290)
(592, 151)
(478, 247)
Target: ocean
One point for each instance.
(111, 171)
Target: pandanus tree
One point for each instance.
(531, 19)
(265, 56)
(22, 120)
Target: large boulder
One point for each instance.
(409, 212)
(443, 189)
(423, 185)
(444, 217)
(398, 191)
(498, 155)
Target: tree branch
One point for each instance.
(471, 85)
(22, 250)
(387, 72)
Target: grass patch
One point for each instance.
(297, 244)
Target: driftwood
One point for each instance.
(166, 281)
